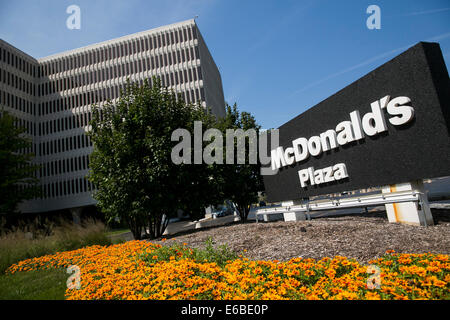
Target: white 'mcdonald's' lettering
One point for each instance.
(371, 124)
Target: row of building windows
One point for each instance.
(17, 62)
(65, 188)
(110, 93)
(64, 144)
(76, 120)
(119, 70)
(118, 50)
(105, 74)
(67, 123)
(17, 103)
(62, 166)
(78, 100)
(17, 82)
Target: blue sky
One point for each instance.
(276, 58)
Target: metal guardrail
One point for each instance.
(342, 203)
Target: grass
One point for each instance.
(23, 244)
(29, 242)
(34, 285)
(117, 232)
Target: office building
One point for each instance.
(53, 96)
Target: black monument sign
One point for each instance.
(390, 126)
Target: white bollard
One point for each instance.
(273, 217)
(294, 216)
(413, 213)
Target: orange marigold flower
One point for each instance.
(118, 272)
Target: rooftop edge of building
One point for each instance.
(17, 50)
(115, 40)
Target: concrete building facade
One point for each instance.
(52, 97)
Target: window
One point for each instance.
(128, 47)
(202, 94)
(153, 43)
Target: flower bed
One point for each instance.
(138, 270)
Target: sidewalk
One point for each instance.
(182, 226)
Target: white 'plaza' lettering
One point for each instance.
(371, 124)
(328, 174)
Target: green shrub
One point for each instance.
(22, 244)
(219, 255)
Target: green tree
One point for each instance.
(240, 183)
(17, 172)
(131, 163)
(199, 186)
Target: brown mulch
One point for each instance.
(359, 236)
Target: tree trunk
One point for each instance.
(135, 227)
(243, 211)
(157, 225)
